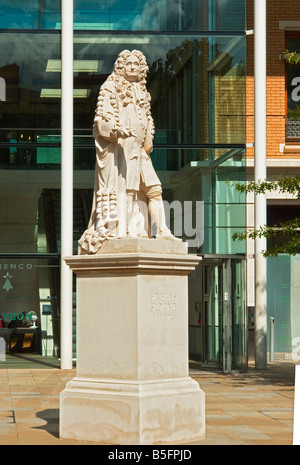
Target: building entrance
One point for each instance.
(223, 321)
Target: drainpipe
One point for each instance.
(66, 181)
(260, 174)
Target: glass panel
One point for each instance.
(29, 305)
(49, 218)
(26, 113)
(226, 317)
(41, 150)
(205, 186)
(197, 85)
(224, 302)
(239, 328)
(213, 314)
(229, 205)
(30, 14)
(279, 301)
(160, 15)
(293, 92)
(181, 76)
(132, 15)
(229, 15)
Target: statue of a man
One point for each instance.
(127, 188)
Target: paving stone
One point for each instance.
(252, 408)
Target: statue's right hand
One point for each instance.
(125, 132)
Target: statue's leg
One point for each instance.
(132, 228)
(157, 212)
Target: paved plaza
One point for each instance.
(252, 408)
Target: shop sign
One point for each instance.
(7, 285)
(12, 316)
(296, 90)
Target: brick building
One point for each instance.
(283, 157)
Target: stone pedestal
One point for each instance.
(132, 384)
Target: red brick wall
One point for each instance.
(277, 10)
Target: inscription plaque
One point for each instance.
(163, 305)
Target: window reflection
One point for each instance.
(160, 15)
(197, 86)
(132, 15)
(29, 313)
(29, 14)
(148, 15)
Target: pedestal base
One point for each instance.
(128, 413)
(132, 384)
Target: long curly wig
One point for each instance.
(124, 88)
(121, 60)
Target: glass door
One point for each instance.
(224, 319)
(212, 316)
(239, 316)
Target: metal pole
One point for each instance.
(271, 339)
(2, 350)
(66, 180)
(260, 174)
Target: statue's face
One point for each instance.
(132, 68)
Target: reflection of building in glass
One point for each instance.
(201, 84)
(197, 84)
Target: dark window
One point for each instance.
(293, 91)
(281, 214)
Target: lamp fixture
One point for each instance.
(56, 93)
(79, 66)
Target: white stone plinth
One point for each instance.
(132, 384)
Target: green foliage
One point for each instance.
(284, 184)
(294, 113)
(288, 231)
(293, 58)
(286, 234)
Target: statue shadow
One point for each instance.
(51, 417)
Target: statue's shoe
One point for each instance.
(166, 234)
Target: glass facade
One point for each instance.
(132, 15)
(196, 53)
(29, 303)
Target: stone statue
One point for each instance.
(127, 189)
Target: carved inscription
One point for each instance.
(163, 305)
